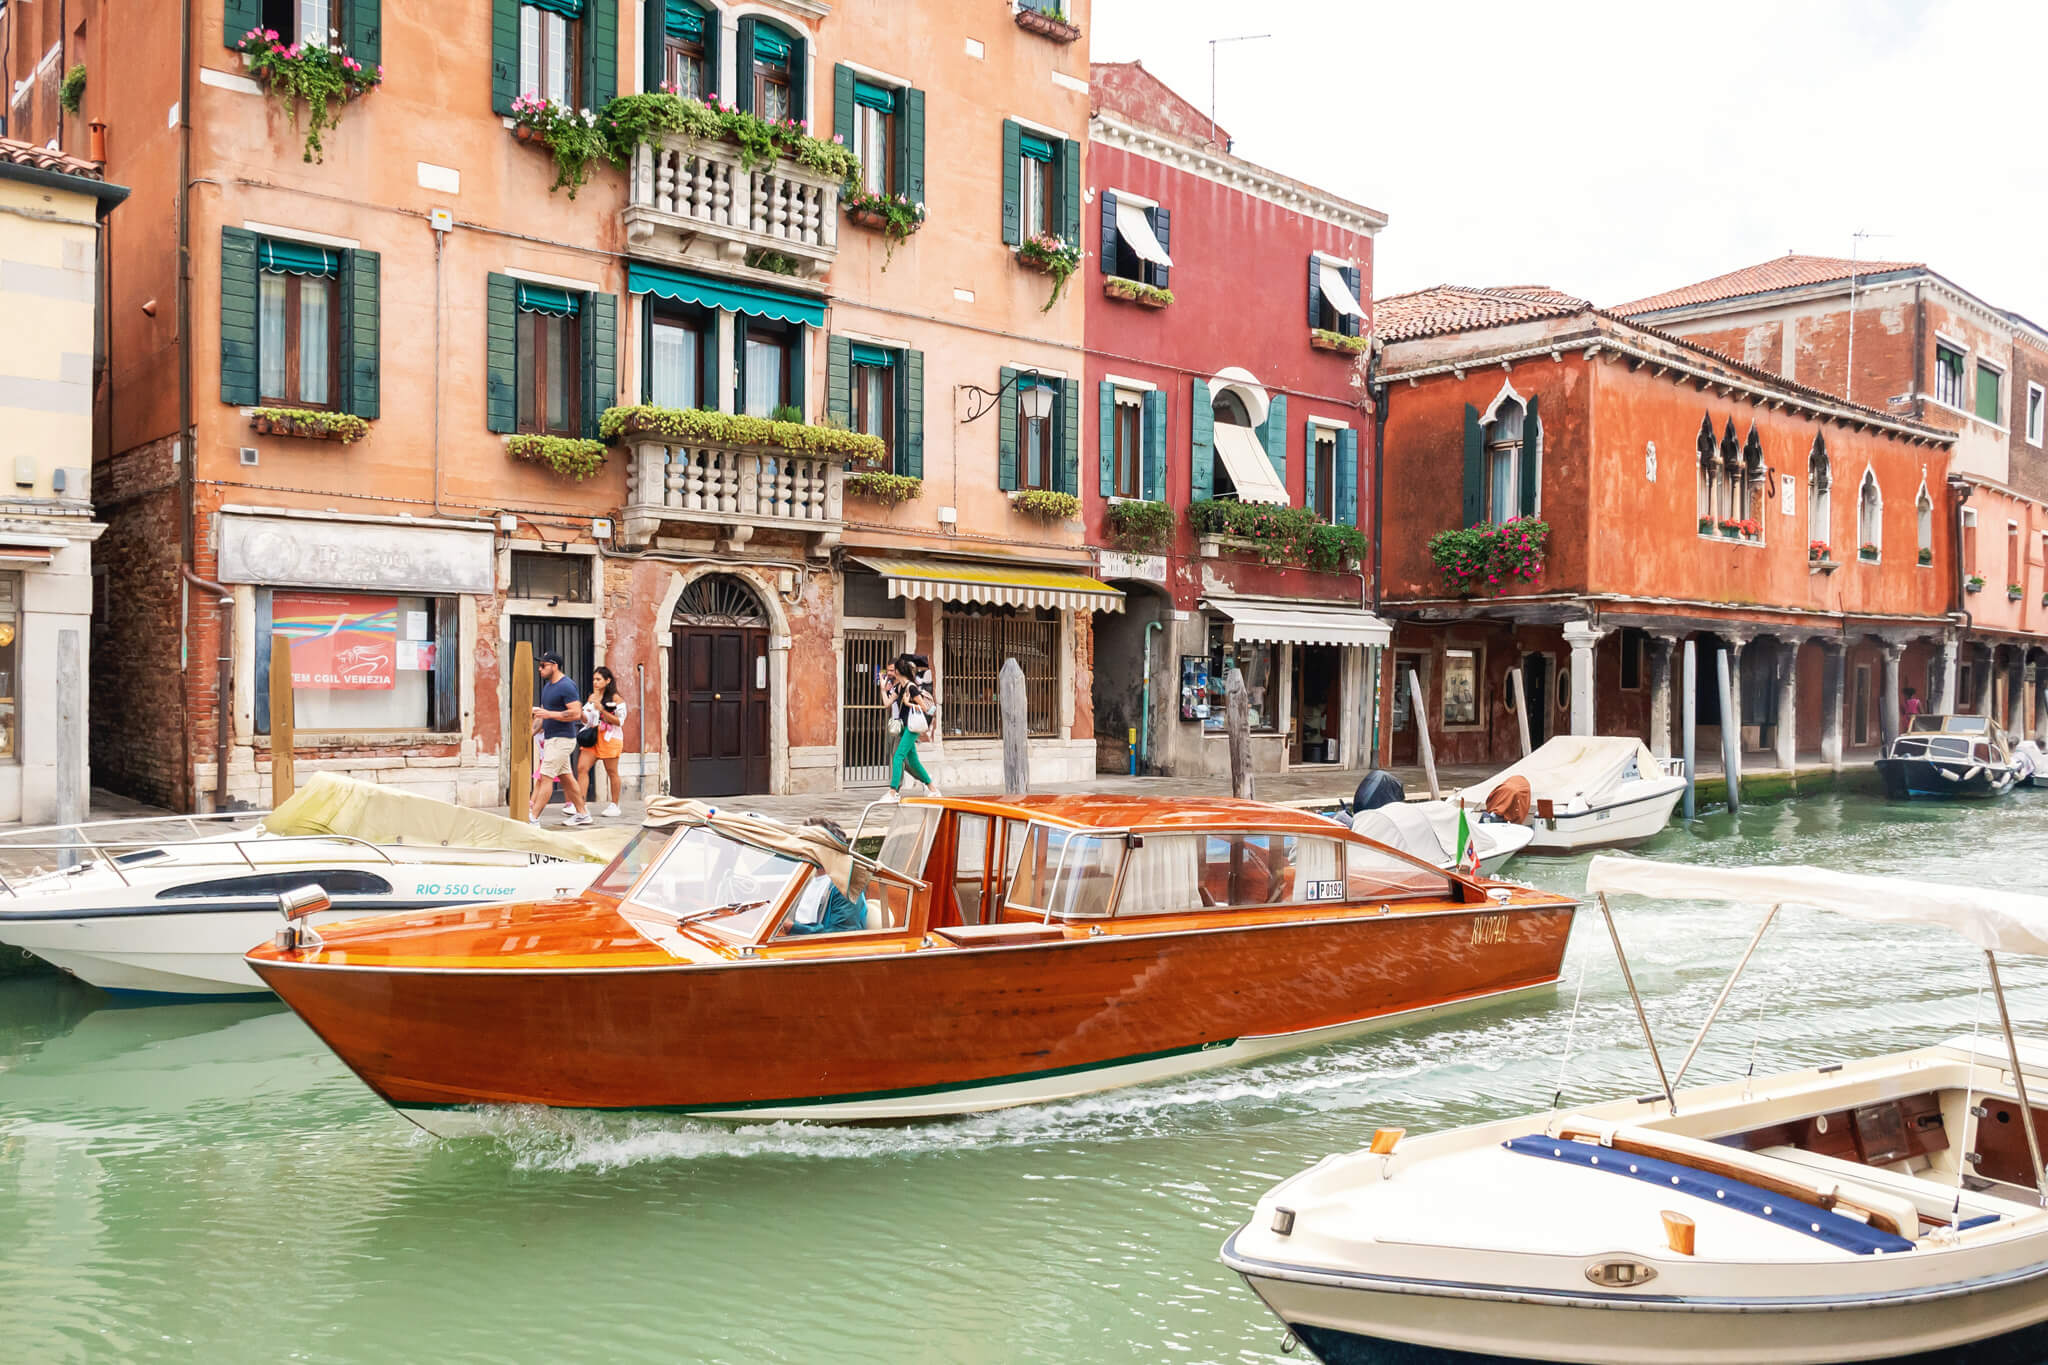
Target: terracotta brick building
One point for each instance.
(1689, 497)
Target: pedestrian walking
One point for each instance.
(605, 713)
(1908, 709)
(911, 708)
(557, 716)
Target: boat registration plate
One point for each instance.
(1326, 891)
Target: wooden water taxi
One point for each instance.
(994, 953)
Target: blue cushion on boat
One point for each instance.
(1979, 1221)
(1811, 1220)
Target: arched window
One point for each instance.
(719, 600)
(1504, 463)
(1869, 517)
(1709, 501)
(1734, 488)
(1819, 518)
(1923, 524)
(1754, 481)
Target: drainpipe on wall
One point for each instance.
(1377, 392)
(225, 677)
(187, 541)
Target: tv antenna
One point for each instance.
(1240, 38)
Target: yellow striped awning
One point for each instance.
(1000, 585)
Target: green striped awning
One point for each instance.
(297, 258)
(728, 296)
(544, 298)
(875, 96)
(683, 19)
(1035, 147)
(770, 45)
(568, 9)
(873, 355)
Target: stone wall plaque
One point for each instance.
(307, 553)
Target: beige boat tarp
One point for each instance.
(1574, 765)
(811, 843)
(377, 814)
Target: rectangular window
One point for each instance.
(547, 54)
(683, 66)
(2035, 411)
(1129, 453)
(1259, 663)
(1038, 418)
(10, 646)
(874, 136)
(540, 576)
(1988, 382)
(1323, 473)
(550, 371)
(298, 333)
(676, 346)
(1970, 540)
(1461, 688)
(977, 642)
(1035, 187)
(769, 364)
(874, 396)
(359, 661)
(771, 86)
(2013, 574)
(1948, 375)
(1633, 644)
(302, 21)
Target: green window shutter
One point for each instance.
(1109, 233)
(1006, 433)
(1162, 228)
(600, 358)
(711, 34)
(709, 393)
(1070, 191)
(1475, 468)
(504, 60)
(240, 16)
(1274, 433)
(1069, 413)
(799, 370)
(365, 36)
(238, 307)
(1347, 478)
(600, 53)
(799, 67)
(739, 362)
(1201, 445)
(839, 381)
(1987, 394)
(1308, 466)
(910, 146)
(1106, 440)
(646, 344)
(743, 67)
(910, 415)
(361, 292)
(1013, 218)
(1315, 291)
(1354, 277)
(842, 103)
(1532, 458)
(501, 353)
(1154, 485)
(653, 53)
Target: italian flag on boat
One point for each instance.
(1468, 852)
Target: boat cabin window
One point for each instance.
(908, 840)
(335, 881)
(702, 870)
(1066, 873)
(1377, 874)
(871, 906)
(1961, 725)
(974, 868)
(640, 853)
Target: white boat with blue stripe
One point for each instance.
(1887, 1209)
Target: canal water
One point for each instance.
(208, 1182)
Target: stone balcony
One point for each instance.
(693, 489)
(694, 201)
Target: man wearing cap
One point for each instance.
(558, 716)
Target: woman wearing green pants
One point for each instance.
(906, 698)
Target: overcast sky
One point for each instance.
(1616, 150)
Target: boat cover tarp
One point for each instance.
(811, 843)
(1574, 765)
(332, 804)
(2003, 921)
(1406, 827)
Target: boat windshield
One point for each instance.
(1960, 725)
(636, 857)
(908, 838)
(702, 872)
(1066, 873)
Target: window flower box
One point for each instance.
(895, 216)
(321, 74)
(1048, 23)
(566, 455)
(1486, 560)
(879, 485)
(1046, 505)
(1974, 583)
(308, 425)
(1050, 255)
(1141, 527)
(2014, 592)
(1280, 535)
(1321, 339)
(1867, 553)
(1926, 557)
(1820, 558)
(1136, 291)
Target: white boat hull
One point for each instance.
(1638, 811)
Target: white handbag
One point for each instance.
(918, 721)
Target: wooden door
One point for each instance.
(1536, 691)
(718, 707)
(1859, 728)
(1406, 749)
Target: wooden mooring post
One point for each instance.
(71, 798)
(521, 722)
(1013, 707)
(1237, 719)
(1418, 711)
(1521, 697)
(283, 727)
(1731, 735)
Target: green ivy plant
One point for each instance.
(1328, 340)
(685, 425)
(71, 94)
(1137, 291)
(571, 134)
(1485, 560)
(631, 120)
(774, 262)
(1289, 534)
(344, 427)
(881, 486)
(788, 412)
(1141, 527)
(1054, 256)
(567, 455)
(324, 77)
(1040, 502)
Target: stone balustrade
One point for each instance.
(673, 486)
(693, 198)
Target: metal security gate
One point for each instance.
(567, 636)
(864, 736)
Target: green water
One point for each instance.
(207, 1182)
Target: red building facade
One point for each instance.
(1225, 316)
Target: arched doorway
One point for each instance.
(718, 690)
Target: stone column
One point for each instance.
(1983, 679)
(1787, 733)
(2040, 704)
(1833, 668)
(1942, 680)
(1582, 636)
(1662, 650)
(2015, 718)
(1732, 717)
(1888, 718)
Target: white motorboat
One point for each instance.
(1592, 791)
(126, 912)
(1885, 1209)
(2031, 762)
(1429, 830)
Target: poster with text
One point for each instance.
(339, 641)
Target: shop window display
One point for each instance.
(1261, 680)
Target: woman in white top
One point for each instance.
(606, 710)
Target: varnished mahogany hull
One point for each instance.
(760, 1034)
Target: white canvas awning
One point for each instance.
(1249, 468)
(1278, 623)
(2004, 921)
(993, 584)
(1339, 293)
(1136, 227)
